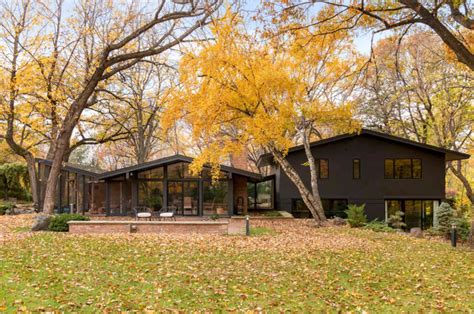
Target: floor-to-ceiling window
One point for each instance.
(120, 194)
(416, 213)
(150, 188)
(183, 189)
(261, 195)
(215, 197)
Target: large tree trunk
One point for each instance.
(61, 144)
(313, 171)
(306, 195)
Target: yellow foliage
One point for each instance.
(241, 88)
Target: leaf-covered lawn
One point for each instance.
(295, 267)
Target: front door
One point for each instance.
(184, 197)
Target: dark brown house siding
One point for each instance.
(371, 188)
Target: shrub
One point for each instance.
(355, 215)
(443, 218)
(396, 220)
(378, 226)
(59, 223)
(14, 181)
(463, 227)
(4, 207)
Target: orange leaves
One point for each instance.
(296, 268)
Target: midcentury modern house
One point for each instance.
(384, 172)
(155, 184)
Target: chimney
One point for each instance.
(240, 160)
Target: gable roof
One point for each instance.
(450, 155)
(171, 160)
(148, 165)
(72, 168)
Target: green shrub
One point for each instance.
(4, 207)
(378, 226)
(59, 223)
(14, 181)
(355, 215)
(396, 220)
(463, 227)
(443, 218)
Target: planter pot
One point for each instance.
(220, 211)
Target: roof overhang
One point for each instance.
(450, 155)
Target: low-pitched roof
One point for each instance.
(149, 165)
(170, 160)
(450, 155)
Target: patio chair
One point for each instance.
(188, 204)
(167, 213)
(142, 212)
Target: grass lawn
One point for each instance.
(293, 267)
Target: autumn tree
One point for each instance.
(451, 20)
(416, 91)
(104, 38)
(243, 88)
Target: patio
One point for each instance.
(182, 225)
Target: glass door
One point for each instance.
(190, 198)
(184, 197)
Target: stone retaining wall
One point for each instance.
(182, 227)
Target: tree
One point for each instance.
(416, 91)
(238, 90)
(137, 98)
(41, 79)
(107, 34)
(451, 20)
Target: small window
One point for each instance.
(356, 168)
(322, 166)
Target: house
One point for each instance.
(156, 184)
(384, 172)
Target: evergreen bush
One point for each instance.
(59, 223)
(444, 215)
(355, 215)
(378, 226)
(396, 220)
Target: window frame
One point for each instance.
(318, 168)
(358, 168)
(393, 160)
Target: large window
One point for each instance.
(150, 194)
(416, 213)
(260, 195)
(152, 174)
(403, 168)
(179, 171)
(332, 208)
(322, 168)
(215, 198)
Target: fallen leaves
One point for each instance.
(297, 268)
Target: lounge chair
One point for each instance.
(167, 213)
(142, 212)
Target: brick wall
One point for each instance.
(240, 160)
(148, 227)
(240, 190)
